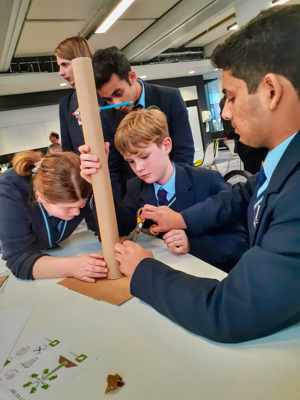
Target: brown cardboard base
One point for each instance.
(112, 291)
(3, 279)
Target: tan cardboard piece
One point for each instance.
(3, 279)
(112, 291)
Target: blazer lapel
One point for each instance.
(148, 195)
(289, 160)
(73, 102)
(185, 197)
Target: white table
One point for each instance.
(157, 359)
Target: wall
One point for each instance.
(27, 128)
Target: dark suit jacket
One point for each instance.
(261, 294)
(221, 248)
(170, 102)
(71, 132)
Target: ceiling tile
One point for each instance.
(120, 34)
(41, 38)
(66, 9)
(212, 35)
(148, 9)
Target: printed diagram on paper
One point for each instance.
(39, 367)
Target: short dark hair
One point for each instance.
(56, 135)
(269, 43)
(107, 62)
(55, 147)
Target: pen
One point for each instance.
(107, 107)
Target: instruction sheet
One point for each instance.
(39, 367)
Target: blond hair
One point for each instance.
(141, 128)
(58, 177)
(74, 47)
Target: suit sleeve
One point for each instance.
(116, 162)
(180, 132)
(222, 248)
(259, 297)
(126, 210)
(220, 210)
(66, 141)
(17, 241)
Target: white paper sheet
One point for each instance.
(12, 321)
(39, 366)
(3, 269)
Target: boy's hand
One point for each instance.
(129, 256)
(177, 241)
(89, 162)
(165, 218)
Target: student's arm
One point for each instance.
(66, 141)
(260, 296)
(180, 132)
(86, 268)
(221, 210)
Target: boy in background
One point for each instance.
(143, 139)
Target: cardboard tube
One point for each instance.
(93, 136)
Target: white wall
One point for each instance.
(27, 128)
(196, 131)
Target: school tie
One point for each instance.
(261, 176)
(261, 180)
(162, 197)
(54, 223)
(137, 107)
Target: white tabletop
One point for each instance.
(156, 358)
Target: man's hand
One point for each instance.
(89, 162)
(177, 241)
(129, 255)
(165, 218)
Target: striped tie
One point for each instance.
(261, 180)
(162, 197)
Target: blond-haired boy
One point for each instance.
(143, 139)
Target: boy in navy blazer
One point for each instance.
(117, 83)
(261, 295)
(143, 139)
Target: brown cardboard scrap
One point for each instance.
(69, 364)
(113, 382)
(112, 291)
(3, 279)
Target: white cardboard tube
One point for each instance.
(93, 137)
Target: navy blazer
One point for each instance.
(222, 247)
(70, 130)
(170, 102)
(261, 294)
(25, 226)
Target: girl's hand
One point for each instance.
(89, 267)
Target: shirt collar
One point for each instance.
(142, 97)
(274, 156)
(169, 187)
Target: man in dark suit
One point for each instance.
(117, 83)
(260, 296)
